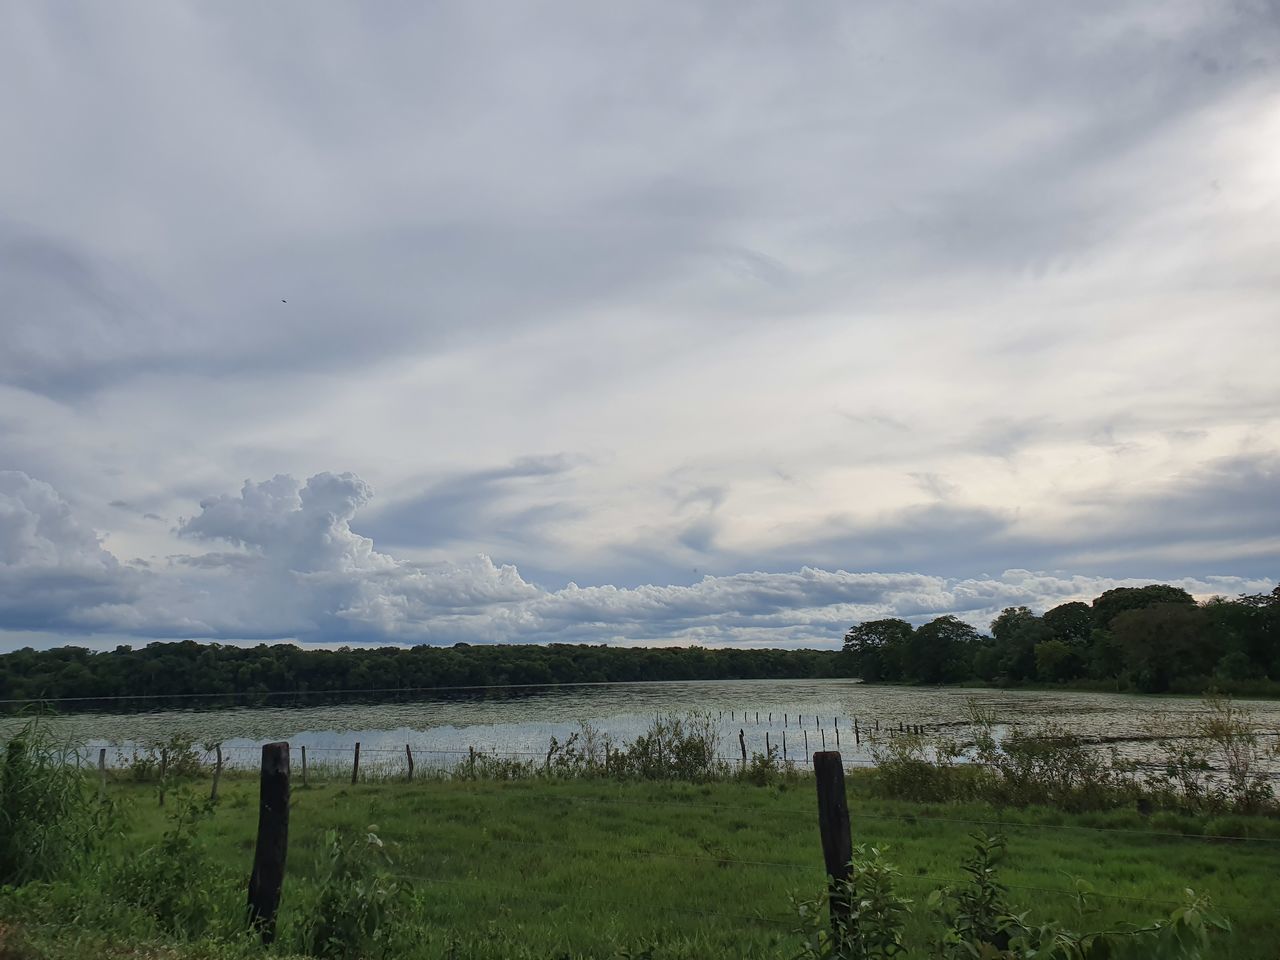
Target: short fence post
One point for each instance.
(823, 734)
(269, 855)
(304, 764)
(217, 772)
(355, 767)
(784, 746)
(806, 743)
(102, 772)
(837, 844)
(408, 755)
(471, 759)
(742, 744)
(766, 747)
(837, 738)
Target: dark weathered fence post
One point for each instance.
(355, 767)
(742, 744)
(784, 746)
(833, 825)
(102, 772)
(304, 764)
(823, 734)
(408, 755)
(217, 772)
(806, 743)
(766, 747)
(267, 879)
(471, 760)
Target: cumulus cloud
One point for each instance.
(296, 569)
(54, 572)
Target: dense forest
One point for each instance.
(1152, 639)
(189, 668)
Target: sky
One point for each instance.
(732, 323)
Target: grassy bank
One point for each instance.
(549, 868)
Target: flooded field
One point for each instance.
(809, 714)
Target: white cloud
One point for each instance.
(297, 570)
(931, 289)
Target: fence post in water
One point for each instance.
(471, 760)
(806, 743)
(823, 734)
(784, 746)
(837, 844)
(102, 772)
(355, 767)
(217, 772)
(267, 878)
(766, 746)
(408, 755)
(742, 744)
(837, 738)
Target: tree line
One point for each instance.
(186, 668)
(1152, 639)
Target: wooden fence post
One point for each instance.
(823, 734)
(304, 764)
(267, 878)
(471, 759)
(102, 772)
(742, 744)
(833, 825)
(217, 772)
(355, 767)
(806, 743)
(408, 755)
(784, 746)
(766, 746)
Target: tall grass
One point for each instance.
(51, 817)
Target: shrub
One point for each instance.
(176, 883)
(359, 903)
(50, 818)
(873, 925)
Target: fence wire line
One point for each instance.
(854, 815)
(1001, 824)
(931, 878)
(564, 899)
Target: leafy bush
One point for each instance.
(872, 926)
(974, 920)
(175, 882)
(50, 817)
(173, 758)
(673, 748)
(359, 903)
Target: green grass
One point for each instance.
(591, 867)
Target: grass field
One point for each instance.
(599, 868)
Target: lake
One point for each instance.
(443, 727)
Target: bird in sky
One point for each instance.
(284, 301)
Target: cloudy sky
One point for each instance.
(726, 322)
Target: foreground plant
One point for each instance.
(51, 818)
